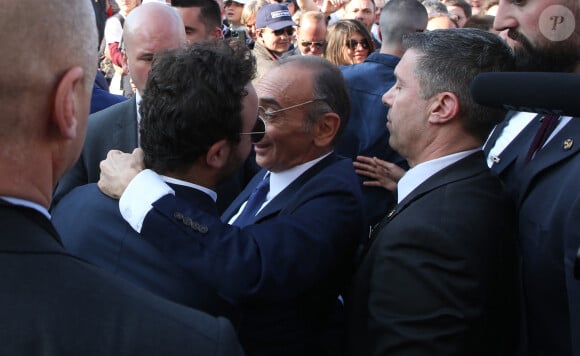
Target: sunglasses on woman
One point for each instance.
(352, 44)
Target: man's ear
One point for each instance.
(443, 107)
(65, 110)
(325, 129)
(217, 33)
(124, 64)
(218, 154)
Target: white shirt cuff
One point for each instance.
(137, 200)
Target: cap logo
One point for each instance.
(280, 13)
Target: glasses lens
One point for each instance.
(352, 44)
(258, 131)
(316, 44)
(289, 31)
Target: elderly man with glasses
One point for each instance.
(282, 259)
(311, 35)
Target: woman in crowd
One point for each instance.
(348, 42)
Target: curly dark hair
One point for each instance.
(193, 99)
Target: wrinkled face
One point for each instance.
(276, 41)
(251, 28)
(233, 12)
(356, 49)
(546, 33)
(311, 37)
(195, 30)
(141, 45)
(407, 117)
(362, 10)
(287, 142)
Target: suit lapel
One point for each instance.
(467, 167)
(282, 200)
(126, 134)
(515, 149)
(564, 144)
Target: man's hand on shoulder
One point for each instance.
(117, 171)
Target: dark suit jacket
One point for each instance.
(92, 228)
(53, 303)
(439, 275)
(112, 128)
(287, 269)
(549, 235)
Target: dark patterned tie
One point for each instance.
(549, 123)
(254, 203)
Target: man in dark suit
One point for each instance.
(52, 303)
(284, 265)
(544, 183)
(180, 141)
(366, 133)
(149, 29)
(438, 273)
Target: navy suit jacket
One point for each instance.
(286, 270)
(52, 303)
(92, 228)
(439, 275)
(366, 131)
(112, 128)
(101, 98)
(548, 196)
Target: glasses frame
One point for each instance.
(353, 44)
(317, 44)
(258, 131)
(289, 31)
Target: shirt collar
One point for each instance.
(211, 193)
(423, 171)
(27, 203)
(280, 180)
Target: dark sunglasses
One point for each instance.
(352, 44)
(258, 131)
(289, 31)
(317, 44)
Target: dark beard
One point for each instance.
(557, 57)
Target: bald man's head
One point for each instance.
(149, 29)
(40, 41)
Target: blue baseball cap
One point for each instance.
(274, 16)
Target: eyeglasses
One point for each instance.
(258, 131)
(317, 44)
(288, 30)
(353, 44)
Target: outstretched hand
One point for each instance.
(385, 174)
(117, 171)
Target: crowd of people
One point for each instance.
(302, 177)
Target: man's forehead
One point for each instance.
(359, 4)
(284, 82)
